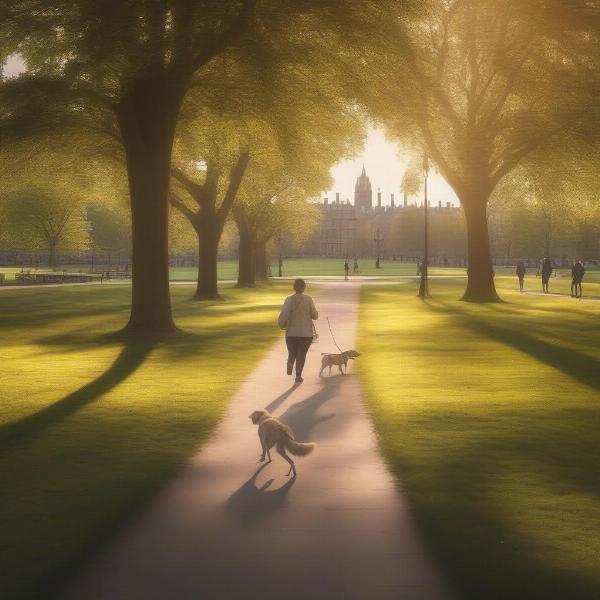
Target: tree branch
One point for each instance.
(195, 190)
(235, 180)
(182, 208)
(235, 29)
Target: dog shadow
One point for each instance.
(251, 504)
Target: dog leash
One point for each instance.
(332, 336)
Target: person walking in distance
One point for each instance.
(346, 270)
(297, 315)
(521, 270)
(547, 269)
(355, 266)
(577, 272)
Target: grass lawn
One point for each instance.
(490, 417)
(90, 427)
(331, 267)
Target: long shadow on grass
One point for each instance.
(574, 364)
(476, 527)
(129, 360)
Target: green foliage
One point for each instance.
(86, 440)
(548, 206)
(109, 231)
(486, 84)
(412, 180)
(490, 425)
(37, 219)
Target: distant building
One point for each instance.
(363, 194)
(337, 232)
(348, 230)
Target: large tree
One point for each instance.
(271, 208)
(487, 83)
(126, 66)
(212, 155)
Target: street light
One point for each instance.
(378, 239)
(424, 285)
(279, 257)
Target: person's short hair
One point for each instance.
(299, 285)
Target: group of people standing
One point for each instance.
(546, 268)
(347, 268)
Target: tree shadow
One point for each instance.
(250, 504)
(487, 550)
(575, 364)
(129, 360)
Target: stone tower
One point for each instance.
(363, 194)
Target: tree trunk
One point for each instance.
(260, 260)
(480, 283)
(208, 248)
(147, 118)
(246, 270)
(52, 260)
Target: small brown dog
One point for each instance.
(272, 432)
(329, 360)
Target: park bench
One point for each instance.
(121, 274)
(28, 278)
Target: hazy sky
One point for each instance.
(13, 66)
(385, 166)
(383, 162)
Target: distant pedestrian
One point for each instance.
(577, 272)
(297, 315)
(346, 270)
(355, 266)
(547, 269)
(521, 270)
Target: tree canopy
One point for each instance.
(485, 84)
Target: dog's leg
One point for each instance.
(282, 453)
(264, 451)
(321, 371)
(330, 368)
(341, 370)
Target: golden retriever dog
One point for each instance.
(272, 432)
(329, 360)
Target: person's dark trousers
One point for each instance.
(297, 349)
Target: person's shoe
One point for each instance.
(298, 379)
(290, 366)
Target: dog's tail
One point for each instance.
(298, 448)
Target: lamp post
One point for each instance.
(378, 239)
(279, 257)
(424, 285)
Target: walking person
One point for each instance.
(355, 266)
(577, 272)
(346, 270)
(297, 315)
(521, 270)
(547, 269)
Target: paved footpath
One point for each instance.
(228, 528)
